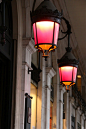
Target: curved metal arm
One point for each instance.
(33, 5)
(68, 32)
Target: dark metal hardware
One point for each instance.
(68, 32)
(38, 70)
(33, 5)
(27, 119)
(26, 94)
(35, 73)
(29, 70)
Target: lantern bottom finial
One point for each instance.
(45, 55)
(45, 49)
(67, 87)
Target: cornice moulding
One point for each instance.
(29, 44)
(50, 71)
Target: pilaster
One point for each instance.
(27, 50)
(58, 102)
(48, 73)
(71, 112)
(76, 115)
(62, 90)
(82, 121)
(85, 123)
(66, 109)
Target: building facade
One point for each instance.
(30, 101)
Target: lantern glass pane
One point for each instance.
(56, 33)
(43, 34)
(66, 73)
(74, 74)
(34, 30)
(45, 31)
(60, 73)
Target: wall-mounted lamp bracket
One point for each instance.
(38, 70)
(35, 74)
(68, 32)
(28, 96)
(30, 70)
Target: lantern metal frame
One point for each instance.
(46, 11)
(68, 58)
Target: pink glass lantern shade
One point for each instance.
(46, 35)
(68, 75)
(46, 20)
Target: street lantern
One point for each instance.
(68, 69)
(46, 21)
(68, 65)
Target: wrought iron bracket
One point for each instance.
(68, 32)
(38, 70)
(28, 96)
(29, 70)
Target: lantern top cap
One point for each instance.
(68, 59)
(46, 11)
(47, 4)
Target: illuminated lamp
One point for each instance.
(68, 65)
(46, 21)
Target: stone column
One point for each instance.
(85, 124)
(70, 112)
(66, 109)
(76, 115)
(28, 50)
(62, 90)
(58, 102)
(26, 8)
(71, 104)
(82, 121)
(50, 72)
(47, 73)
(43, 114)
